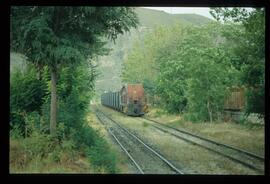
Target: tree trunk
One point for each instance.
(53, 115)
(209, 111)
(39, 77)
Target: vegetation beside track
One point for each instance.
(50, 96)
(40, 153)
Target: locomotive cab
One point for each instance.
(132, 96)
(129, 100)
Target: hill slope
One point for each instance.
(151, 18)
(110, 66)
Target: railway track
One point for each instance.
(146, 159)
(243, 157)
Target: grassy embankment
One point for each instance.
(40, 154)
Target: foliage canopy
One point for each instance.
(60, 36)
(192, 68)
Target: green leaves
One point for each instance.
(66, 36)
(193, 67)
(27, 92)
(26, 96)
(248, 54)
(53, 35)
(230, 14)
(65, 55)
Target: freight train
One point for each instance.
(129, 100)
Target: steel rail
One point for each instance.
(131, 158)
(123, 148)
(147, 146)
(209, 140)
(160, 156)
(210, 149)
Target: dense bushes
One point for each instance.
(101, 156)
(75, 90)
(64, 52)
(27, 92)
(27, 95)
(256, 99)
(39, 150)
(30, 115)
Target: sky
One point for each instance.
(178, 10)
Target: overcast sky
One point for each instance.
(177, 10)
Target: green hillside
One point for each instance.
(151, 18)
(191, 19)
(110, 66)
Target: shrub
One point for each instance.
(256, 101)
(101, 156)
(38, 144)
(26, 95)
(88, 136)
(15, 132)
(26, 151)
(17, 156)
(68, 148)
(193, 117)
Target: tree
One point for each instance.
(192, 65)
(249, 53)
(195, 71)
(172, 69)
(58, 36)
(141, 65)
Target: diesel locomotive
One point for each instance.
(129, 100)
